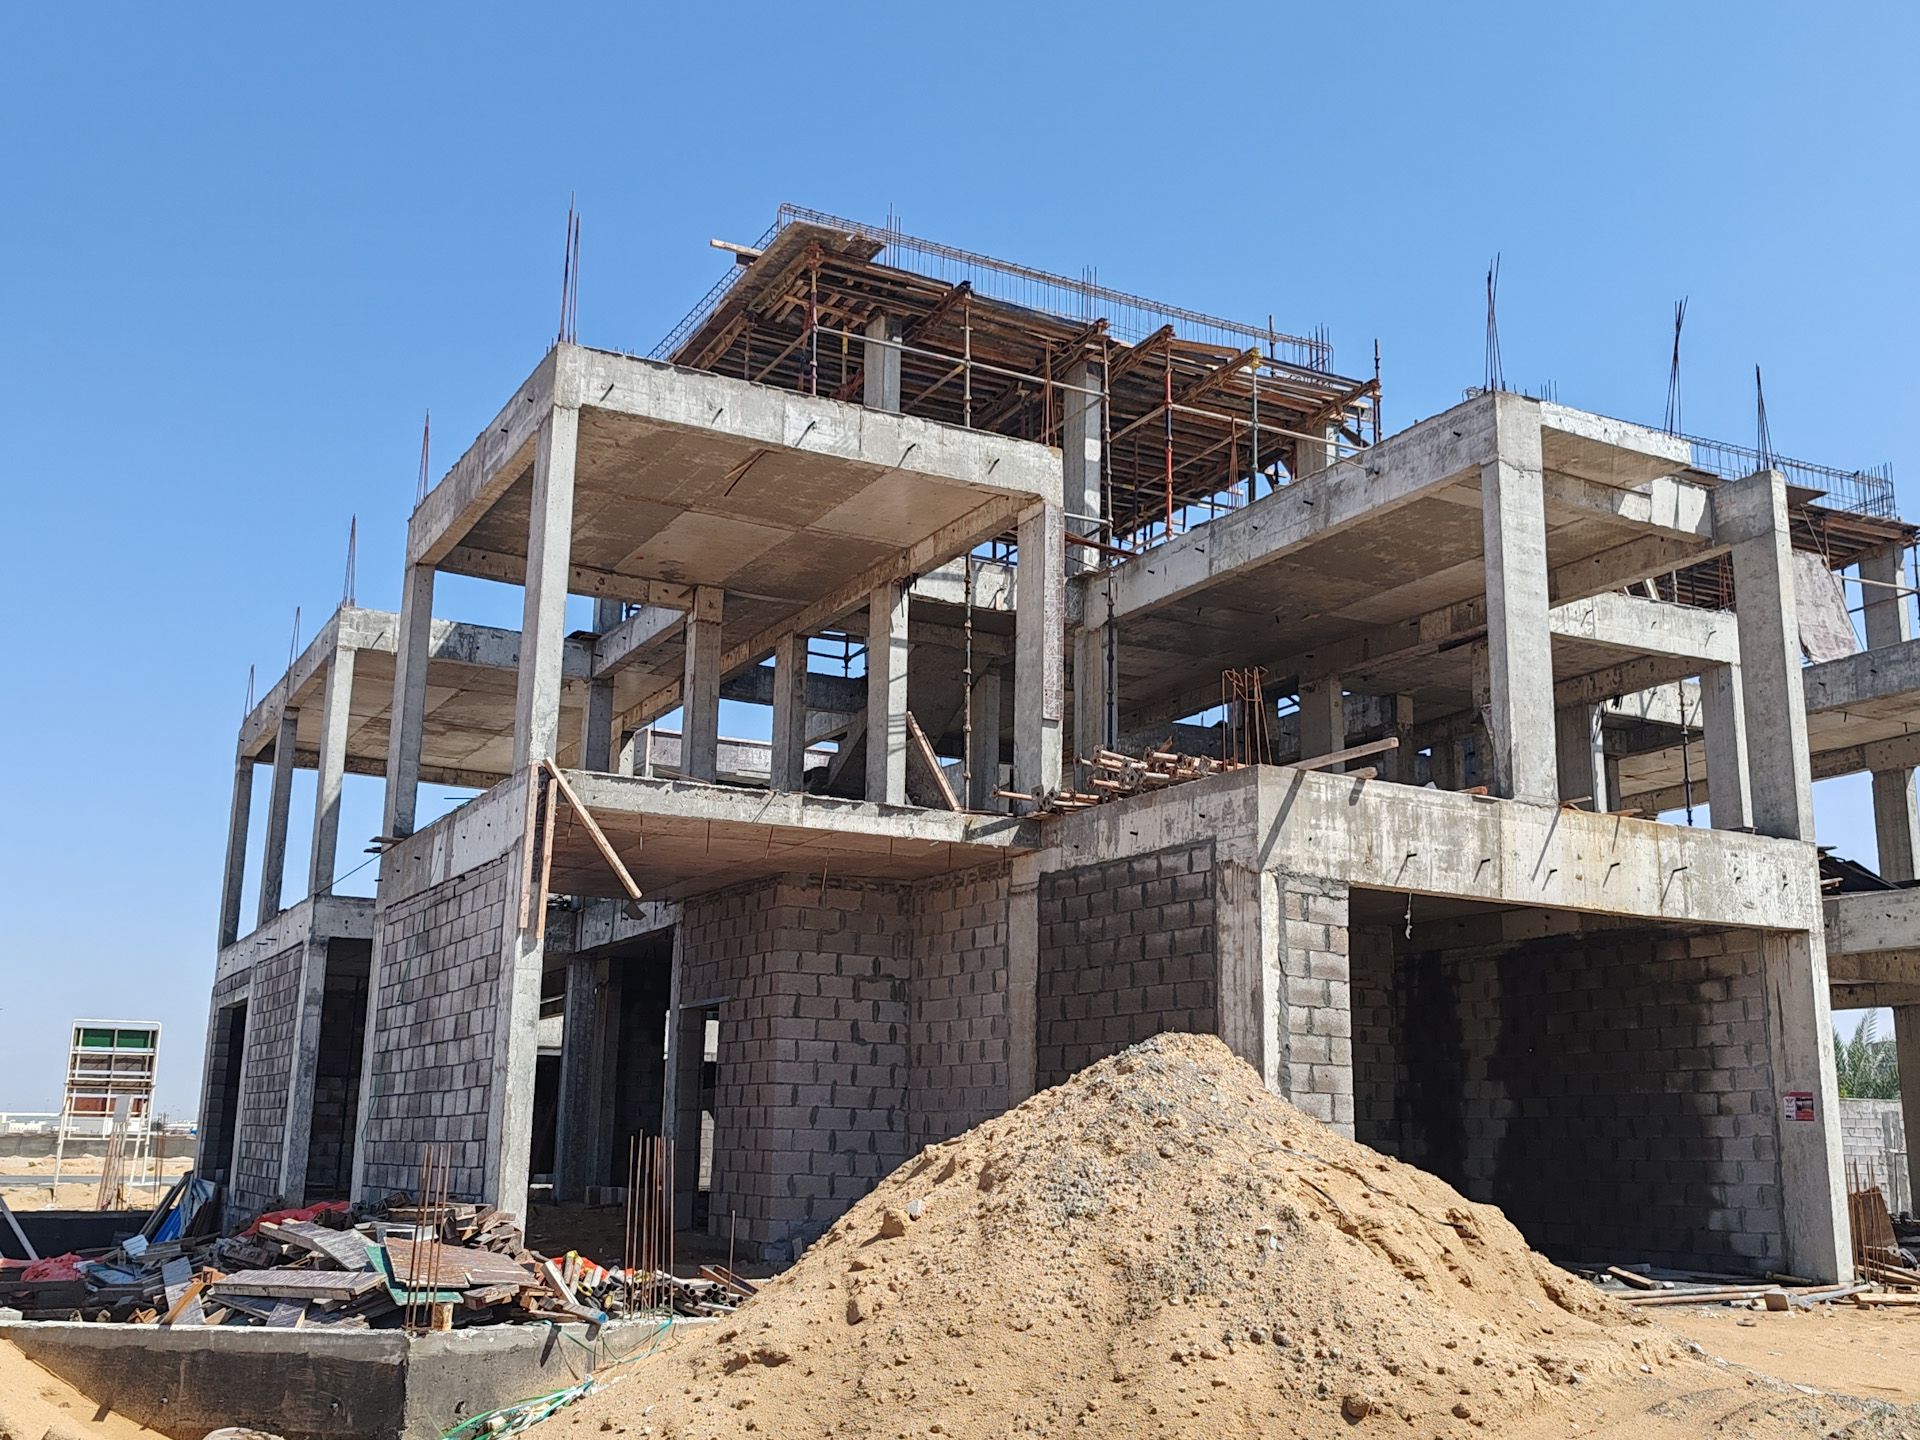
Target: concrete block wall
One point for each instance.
(1873, 1147)
(1126, 951)
(219, 1085)
(810, 1098)
(957, 1003)
(265, 1081)
(436, 994)
(1318, 1038)
(1611, 1090)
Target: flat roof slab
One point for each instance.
(681, 838)
(683, 478)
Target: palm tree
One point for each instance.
(1865, 1063)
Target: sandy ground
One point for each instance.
(36, 1406)
(78, 1193)
(1853, 1350)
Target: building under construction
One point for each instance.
(1124, 675)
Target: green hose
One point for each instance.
(524, 1414)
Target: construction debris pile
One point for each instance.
(436, 1266)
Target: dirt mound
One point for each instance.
(1156, 1247)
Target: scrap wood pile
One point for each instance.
(1885, 1271)
(329, 1266)
(1116, 775)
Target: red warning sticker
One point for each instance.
(1796, 1105)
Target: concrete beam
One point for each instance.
(488, 468)
(887, 650)
(1865, 922)
(758, 685)
(1871, 675)
(1668, 506)
(1650, 627)
(950, 540)
(1394, 473)
(629, 639)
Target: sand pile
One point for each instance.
(1156, 1247)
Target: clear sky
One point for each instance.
(242, 250)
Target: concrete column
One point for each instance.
(409, 709)
(1724, 717)
(679, 1122)
(887, 695)
(1800, 1036)
(297, 1135)
(238, 816)
(1311, 456)
(1039, 639)
(336, 715)
(273, 864)
(1398, 765)
(1581, 758)
(1896, 822)
(881, 365)
(1082, 437)
(1251, 984)
(1906, 1058)
(700, 687)
(789, 756)
(1752, 514)
(1323, 718)
(636, 753)
(572, 1152)
(596, 731)
(985, 778)
(543, 631)
(1519, 703)
(1023, 977)
(1094, 710)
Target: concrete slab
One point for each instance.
(680, 838)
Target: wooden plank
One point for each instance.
(299, 1284)
(186, 1310)
(345, 1248)
(1340, 757)
(183, 1290)
(1628, 1277)
(458, 1267)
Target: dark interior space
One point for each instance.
(336, 1080)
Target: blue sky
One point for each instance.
(242, 250)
